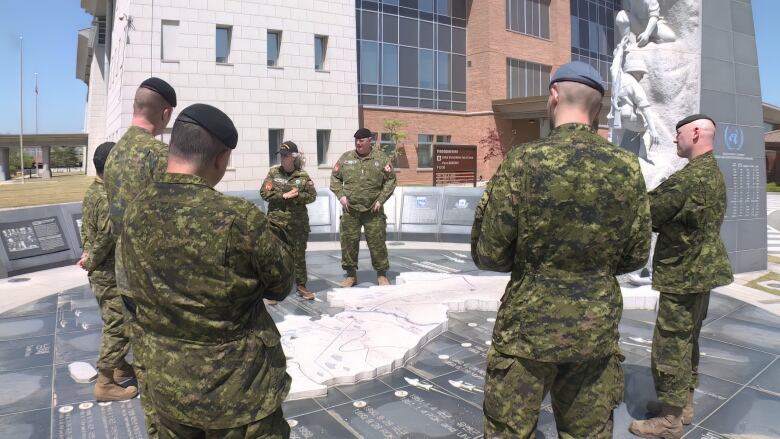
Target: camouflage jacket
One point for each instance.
(136, 160)
(688, 211)
(198, 264)
(278, 183)
(363, 180)
(564, 214)
(97, 238)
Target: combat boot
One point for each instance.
(382, 280)
(348, 282)
(667, 425)
(654, 408)
(124, 372)
(106, 389)
(305, 292)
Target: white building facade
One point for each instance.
(281, 69)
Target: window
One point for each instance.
(323, 141)
(525, 78)
(593, 33)
(274, 40)
(320, 48)
(223, 44)
(169, 47)
(530, 17)
(275, 137)
(369, 59)
(424, 151)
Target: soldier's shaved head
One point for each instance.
(151, 111)
(695, 138)
(573, 102)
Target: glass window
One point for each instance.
(526, 78)
(459, 73)
(320, 49)
(427, 69)
(530, 17)
(593, 33)
(424, 150)
(273, 42)
(459, 9)
(407, 30)
(459, 40)
(369, 60)
(426, 35)
(443, 7)
(425, 5)
(444, 38)
(368, 25)
(170, 40)
(323, 141)
(389, 64)
(407, 62)
(443, 71)
(389, 28)
(275, 137)
(223, 44)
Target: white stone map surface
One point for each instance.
(381, 327)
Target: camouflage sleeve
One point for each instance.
(494, 232)
(308, 193)
(637, 248)
(267, 190)
(101, 245)
(388, 185)
(666, 201)
(337, 180)
(271, 258)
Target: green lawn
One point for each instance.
(66, 188)
(769, 276)
(772, 187)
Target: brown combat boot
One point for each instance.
(667, 425)
(382, 280)
(348, 281)
(124, 372)
(106, 389)
(305, 292)
(654, 408)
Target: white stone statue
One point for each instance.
(642, 19)
(631, 117)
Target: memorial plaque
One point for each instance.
(77, 222)
(89, 419)
(459, 210)
(420, 209)
(746, 193)
(319, 211)
(454, 164)
(23, 239)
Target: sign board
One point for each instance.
(23, 239)
(454, 164)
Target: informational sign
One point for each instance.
(745, 201)
(459, 210)
(454, 164)
(77, 221)
(420, 209)
(23, 239)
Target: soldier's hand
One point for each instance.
(290, 194)
(344, 203)
(83, 260)
(376, 206)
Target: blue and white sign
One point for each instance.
(734, 138)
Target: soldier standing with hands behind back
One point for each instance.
(288, 188)
(363, 180)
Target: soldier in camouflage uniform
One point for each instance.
(363, 180)
(199, 264)
(564, 215)
(98, 259)
(689, 260)
(288, 188)
(136, 160)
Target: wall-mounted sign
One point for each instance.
(23, 239)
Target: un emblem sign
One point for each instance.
(734, 138)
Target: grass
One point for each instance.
(66, 188)
(772, 187)
(769, 276)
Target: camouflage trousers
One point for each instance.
(584, 396)
(675, 356)
(271, 427)
(300, 239)
(375, 225)
(114, 342)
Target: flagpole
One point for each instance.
(36, 103)
(21, 108)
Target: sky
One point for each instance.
(50, 28)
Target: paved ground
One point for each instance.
(739, 394)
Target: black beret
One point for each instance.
(362, 133)
(101, 154)
(162, 88)
(578, 71)
(213, 120)
(692, 118)
(288, 147)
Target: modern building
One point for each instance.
(281, 70)
(459, 72)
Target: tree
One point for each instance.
(13, 159)
(64, 157)
(493, 146)
(394, 128)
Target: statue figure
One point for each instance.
(642, 18)
(630, 117)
